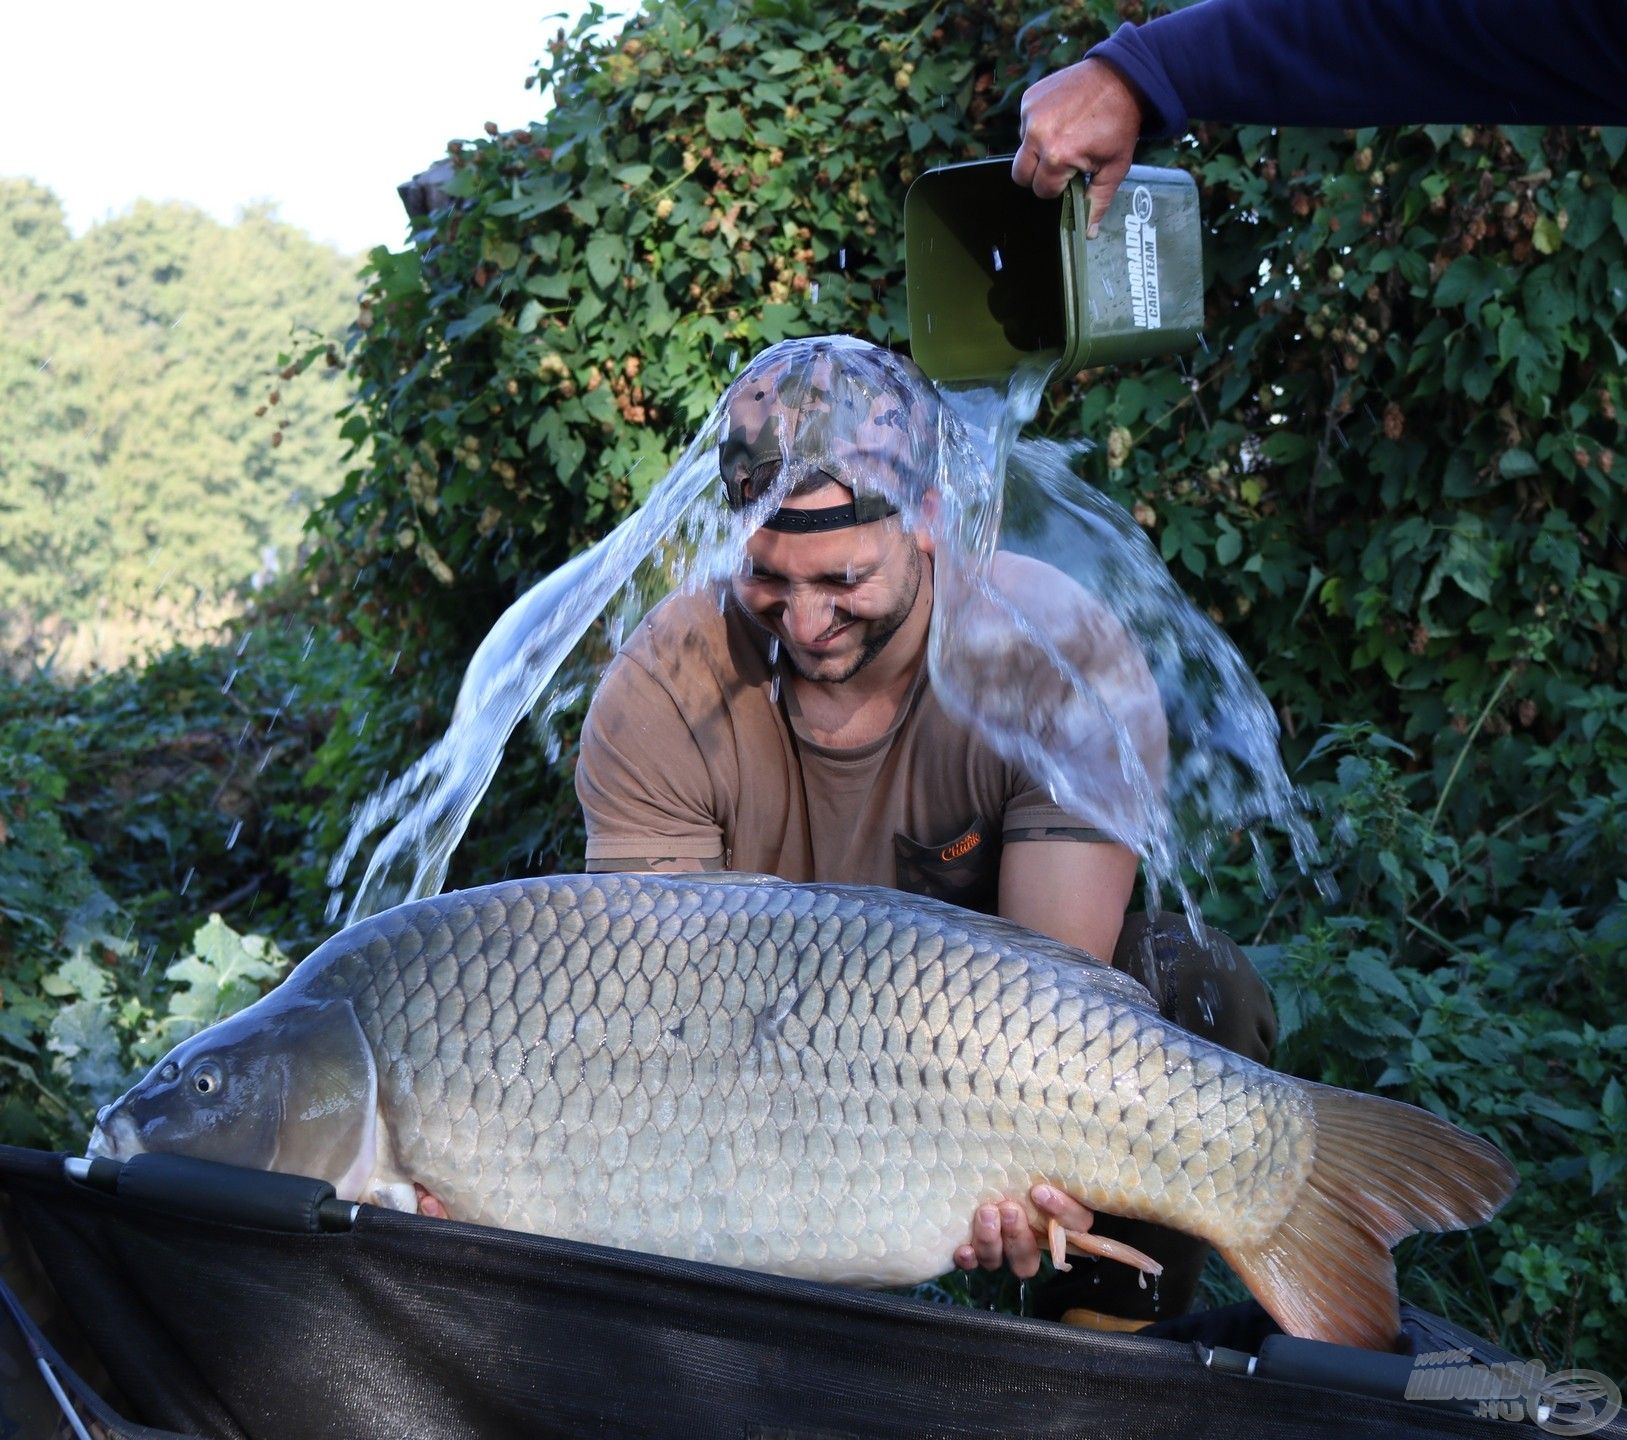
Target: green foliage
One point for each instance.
(133, 463)
(183, 788)
(1427, 984)
(106, 1035)
(702, 187)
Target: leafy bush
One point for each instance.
(1422, 986)
(104, 1036)
(130, 806)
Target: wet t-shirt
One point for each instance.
(693, 748)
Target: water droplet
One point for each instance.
(360, 724)
(734, 360)
(243, 644)
(237, 829)
(774, 690)
(928, 322)
(841, 258)
(999, 264)
(813, 293)
(1141, 1279)
(1203, 342)
(394, 661)
(331, 912)
(186, 881)
(310, 640)
(228, 685)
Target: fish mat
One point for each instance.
(404, 1327)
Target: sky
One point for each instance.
(321, 109)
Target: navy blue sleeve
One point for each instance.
(1378, 62)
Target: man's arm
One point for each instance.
(1069, 888)
(642, 781)
(1334, 62)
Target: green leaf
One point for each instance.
(79, 976)
(1285, 448)
(1613, 1104)
(724, 122)
(1515, 463)
(1228, 547)
(605, 256)
(1379, 978)
(634, 175)
(475, 321)
(1570, 1116)
(224, 972)
(83, 1036)
(1546, 235)
(530, 313)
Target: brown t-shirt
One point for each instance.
(692, 750)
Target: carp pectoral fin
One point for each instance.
(400, 1195)
(1059, 1240)
(329, 1123)
(1382, 1171)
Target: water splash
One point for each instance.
(534, 656)
(1074, 654)
(1115, 691)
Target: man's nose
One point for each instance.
(808, 615)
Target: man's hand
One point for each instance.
(1086, 119)
(1002, 1234)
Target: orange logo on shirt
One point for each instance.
(963, 846)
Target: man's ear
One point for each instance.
(926, 520)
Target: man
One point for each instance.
(795, 731)
(1335, 62)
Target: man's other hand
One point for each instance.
(1004, 1235)
(1086, 119)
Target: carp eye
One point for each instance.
(206, 1079)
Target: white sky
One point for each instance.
(320, 108)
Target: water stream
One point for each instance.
(1078, 679)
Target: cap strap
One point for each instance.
(833, 517)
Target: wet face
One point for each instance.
(833, 600)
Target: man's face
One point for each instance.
(833, 600)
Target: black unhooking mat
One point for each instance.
(227, 1303)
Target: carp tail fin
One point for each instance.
(1382, 1171)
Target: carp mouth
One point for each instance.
(113, 1137)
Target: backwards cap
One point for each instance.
(854, 412)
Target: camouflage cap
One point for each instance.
(832, 407)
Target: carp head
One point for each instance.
(289, 1087)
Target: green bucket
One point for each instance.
(997, 276)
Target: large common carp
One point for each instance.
(813, 1080)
